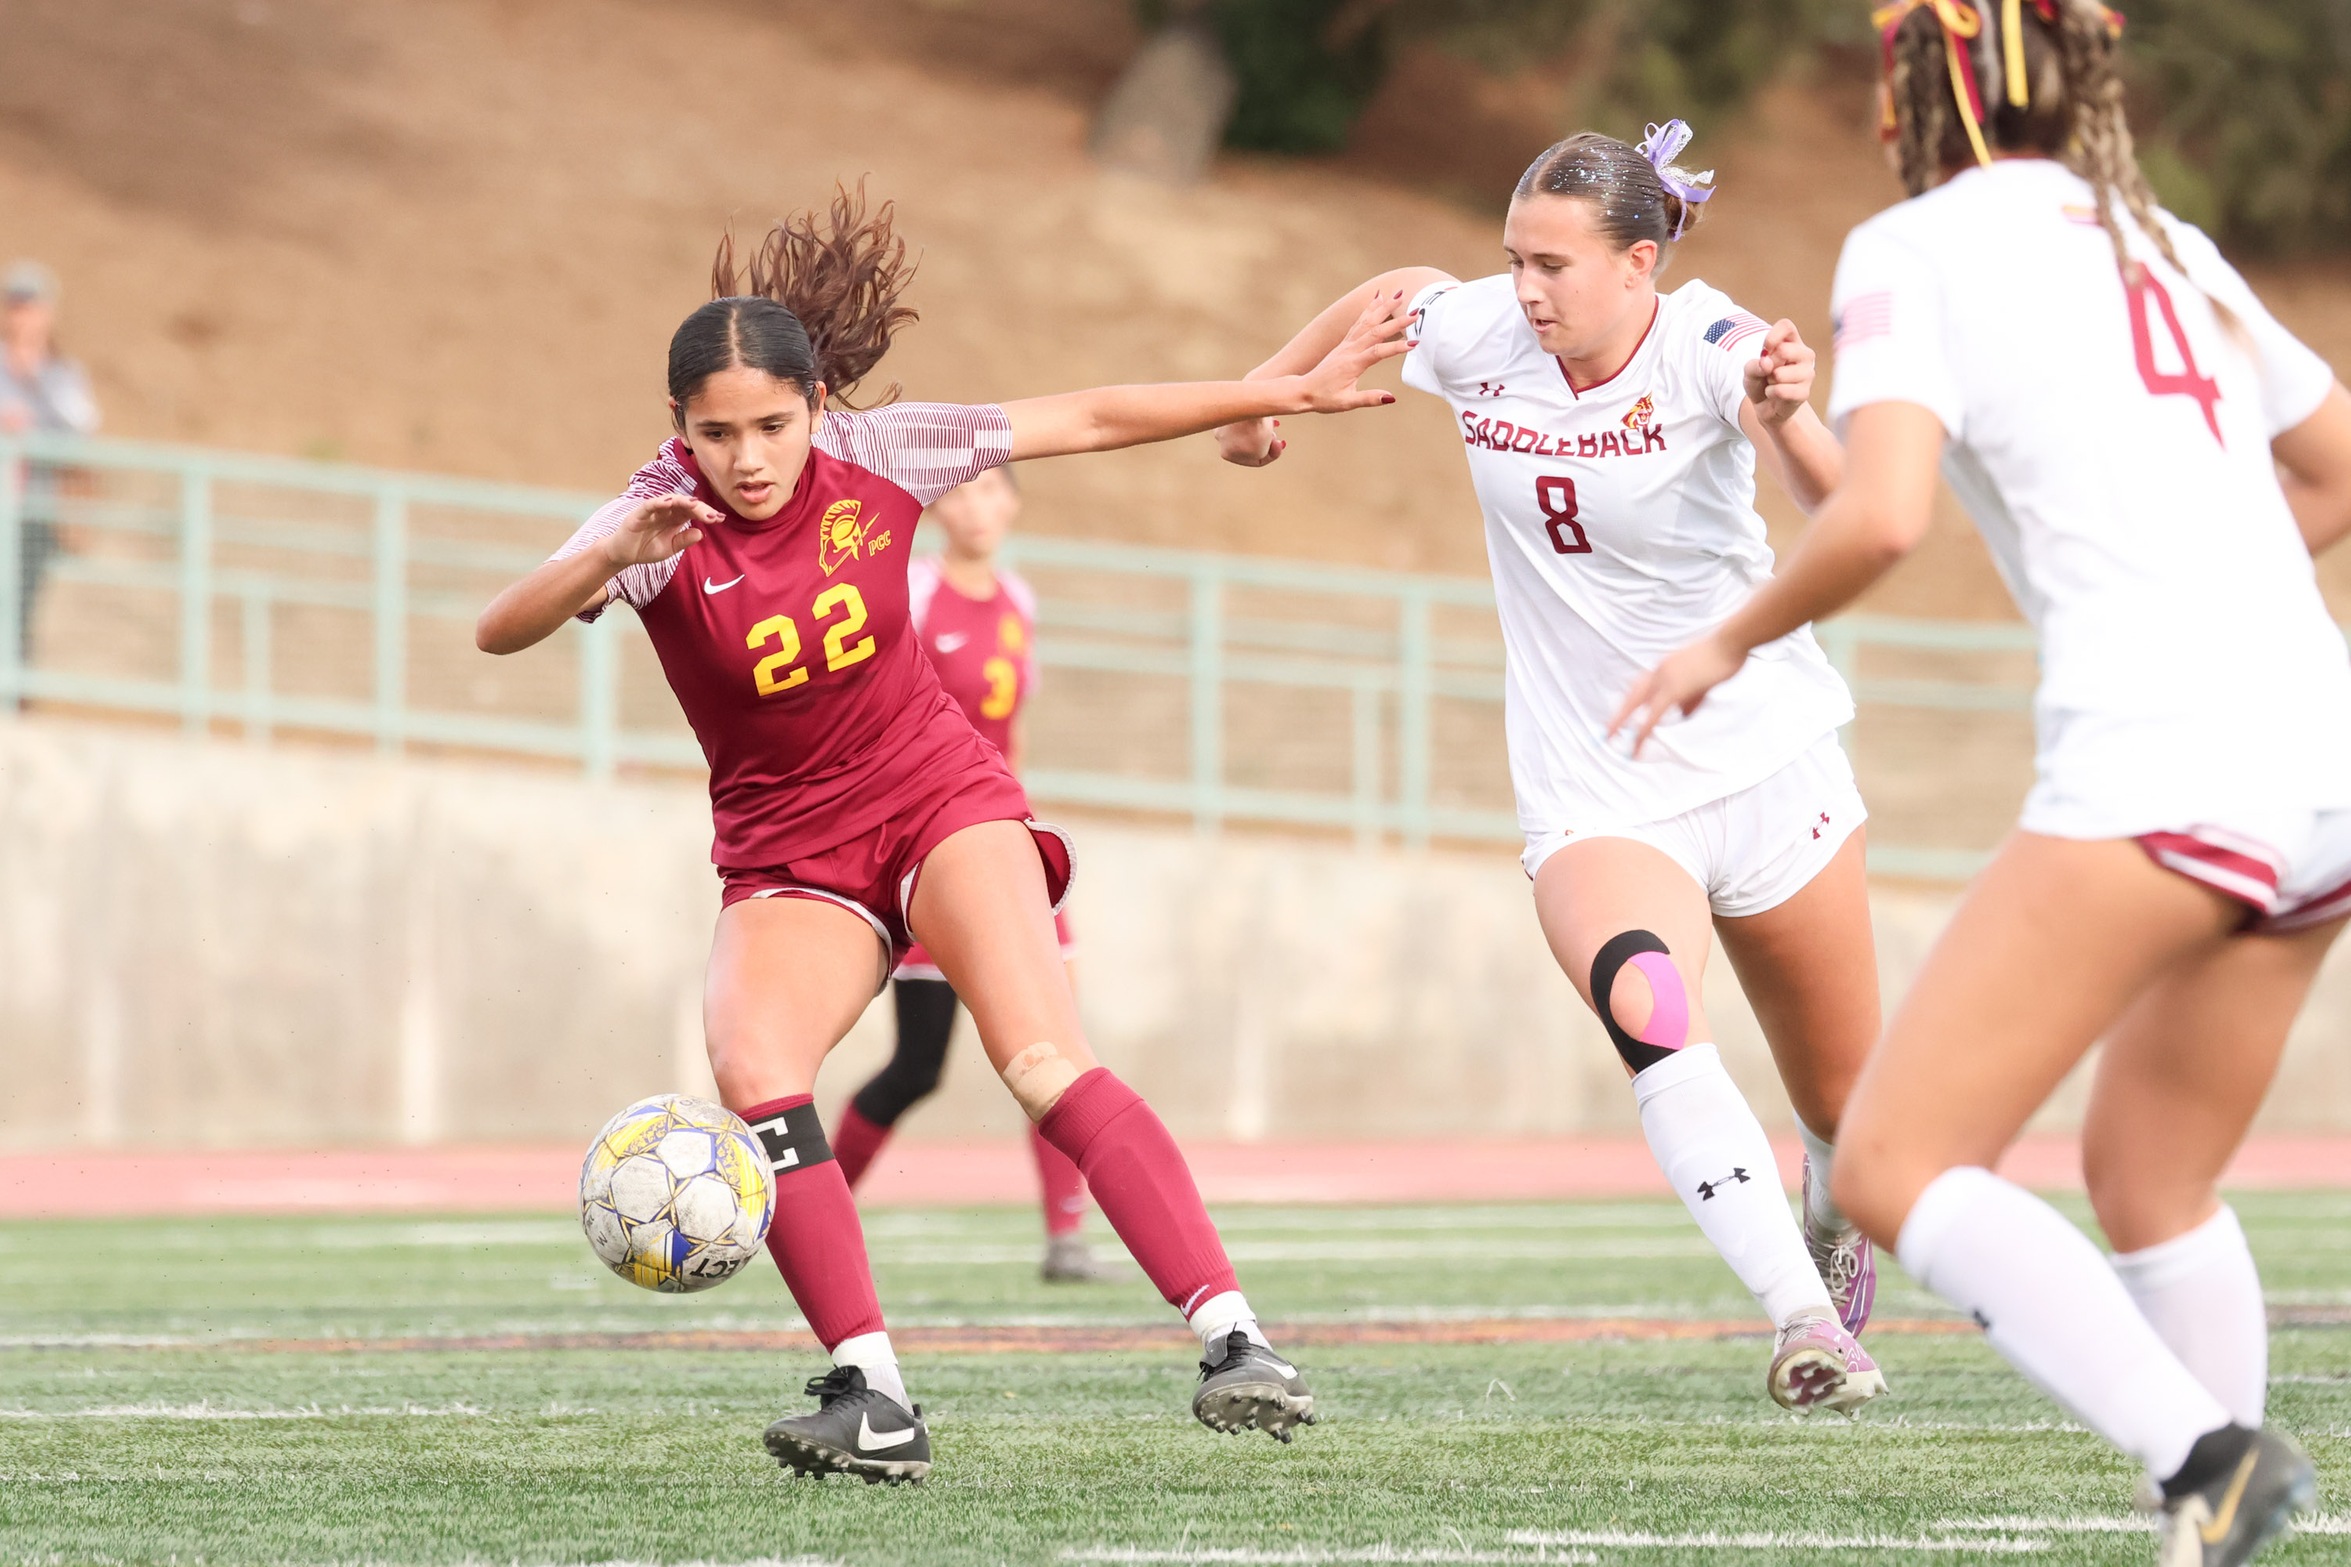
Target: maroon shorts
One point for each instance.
(874, 876)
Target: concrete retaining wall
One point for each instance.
(203, 943)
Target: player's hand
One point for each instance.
(1678, 684)
(1252, 443)
(1779, 378)
(656, 530)
(1329, 388)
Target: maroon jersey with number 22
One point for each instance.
(790, 644)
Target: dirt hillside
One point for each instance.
(455, 234)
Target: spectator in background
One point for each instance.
(41, 393)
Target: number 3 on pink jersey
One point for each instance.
(1555, 498)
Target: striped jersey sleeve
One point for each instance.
(926, 449)
(635, 586)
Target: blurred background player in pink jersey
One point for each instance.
(978, 623)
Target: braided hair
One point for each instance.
(2072, 109)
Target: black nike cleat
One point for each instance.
(855, 1431)
(2239, 1490)
(1252, 1389)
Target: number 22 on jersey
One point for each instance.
(776, 674)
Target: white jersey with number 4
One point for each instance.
(1621, 524)
(2112, 444)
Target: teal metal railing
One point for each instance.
(261, 595)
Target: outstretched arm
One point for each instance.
(530, 611)
(1874, 519)
(1109, 417)
(2314, 465)
(1778, 418)
(1253, 442)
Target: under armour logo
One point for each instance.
(1737, 1177)
(1489, 389)
(1824, 821)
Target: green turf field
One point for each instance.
(165, 1397)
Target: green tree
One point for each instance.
(2244, 108)
(2246, 115)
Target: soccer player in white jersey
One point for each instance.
(1612, 433)
(2152, 460)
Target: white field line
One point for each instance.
(205, 1411)
(2137, 1523)
(1444, 1223)
(764, 1561)
(1255, 1222)
(1307, 1555)
(1709, 1540)
(1469, 1249)
(736, 1323)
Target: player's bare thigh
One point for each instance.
(1809, 969)
(788, 978)
(2182, 1077)
(1597, 889)
(2053, 942)
(982, 910)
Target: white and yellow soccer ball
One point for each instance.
(676, 1194)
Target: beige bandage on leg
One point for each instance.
(1038, 1077)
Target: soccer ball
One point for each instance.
(676, 1194)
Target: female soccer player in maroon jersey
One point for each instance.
(855, 808)
(977, 623)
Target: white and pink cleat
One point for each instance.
(1816, 1364)
(1848, 1264)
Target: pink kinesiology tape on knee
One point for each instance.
(1142, 1185)
(1668, 1027)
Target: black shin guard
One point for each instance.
(926, 1017)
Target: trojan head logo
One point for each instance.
(1010, 635)
(1641, 413)
(840, 534)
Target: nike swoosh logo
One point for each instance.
(953, 640)
(2218, 1530)
(1285, 1370)
(709, 586)
(870, 1440)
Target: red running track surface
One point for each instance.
(88, 1183)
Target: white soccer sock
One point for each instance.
(2202, 1295)
(1215, 1318)
(871, 1353)
(1709, 1144)
(1822, 1208)
(2056, 1312)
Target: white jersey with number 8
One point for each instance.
(1620, 524)
(2112, 444)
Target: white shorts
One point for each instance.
(2290, 870)
(1753, 850)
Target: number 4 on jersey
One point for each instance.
(2187, 381)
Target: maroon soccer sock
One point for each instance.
(816, 1241)
(855, 1141)
(1064, 1189)
(1144, 1188)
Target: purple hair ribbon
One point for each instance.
(1661, 145)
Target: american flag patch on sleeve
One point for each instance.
(1865, 316)
(1732, 330)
